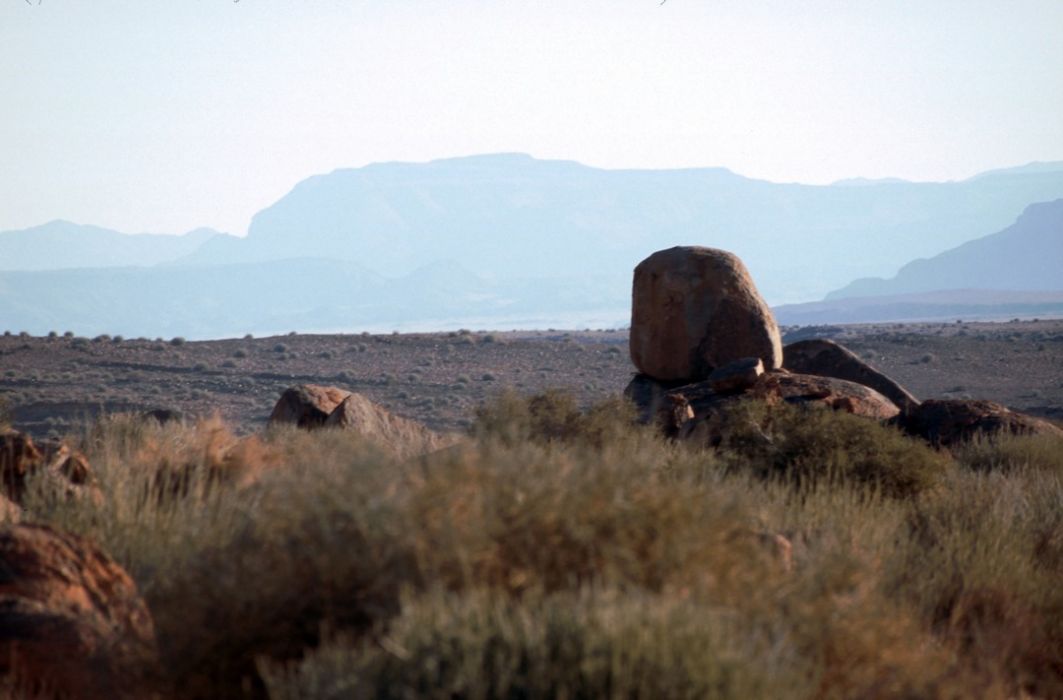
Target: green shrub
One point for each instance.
(807, 445)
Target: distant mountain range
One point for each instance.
(60, 245)
(494, 242)
(1026, 256)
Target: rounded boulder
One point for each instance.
(695, 309)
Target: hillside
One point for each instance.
(59, 245)
(1025, 256)
(510, 214)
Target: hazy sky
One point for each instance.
(167, 115)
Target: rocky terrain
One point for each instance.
(49, 384)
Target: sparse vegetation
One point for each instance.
(568, 552)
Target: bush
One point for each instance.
(177, 341)
(805, 445)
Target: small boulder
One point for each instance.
(736, 376)
(71, 621)
(19, 458)
(826, 358)
(948, 422)
(395, 434)
(695, 309)
(657, 406)
(307, 405)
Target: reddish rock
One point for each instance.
(736, 376)
(652, 401)
(71, 621)
(19, 458)
(949, 422)
(395, 434)
(825, 358)
(307, 405)
(838, 394)
(695, 309)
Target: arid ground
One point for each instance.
(51, 383)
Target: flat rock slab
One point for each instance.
(826, 358)
(695, 309)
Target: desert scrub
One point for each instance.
(805, 445)
(560, 550)
(1007, 452)
(555, 416)
(591, 644)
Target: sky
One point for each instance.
(168, 115)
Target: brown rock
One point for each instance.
(695, 309)
(710, 407)
(656, 406)
(825, 358)
(949, 422)
(736, 376)
(71, 620)
(396, 434)
(307, 405)
(19, 458)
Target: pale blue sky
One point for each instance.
(166, 115)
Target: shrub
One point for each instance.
(1012, 453)
(177, 341)
(805, 445)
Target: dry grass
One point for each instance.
(569, 554)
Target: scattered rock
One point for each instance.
(307, 405)
(946, 422)
(695, 309)
(396, 434)
(19, 458)
(736, 376)
(826, 358)
(71, 621)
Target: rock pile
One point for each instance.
(703, 339)
(313, 406)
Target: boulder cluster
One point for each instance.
(313, 406)
(703, 339)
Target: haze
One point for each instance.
(169, 116)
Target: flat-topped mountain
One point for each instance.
(511, 214)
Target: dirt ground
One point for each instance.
(51, 384)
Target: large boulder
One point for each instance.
(949, 422)
(826, 358)
(307, 405)
(395, 434)
(71, 621)
(695, 309)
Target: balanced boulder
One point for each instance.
(695, 309)
(307, 405)
(71, 621)
(949, 422)
(395, 434)
(826, 358)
